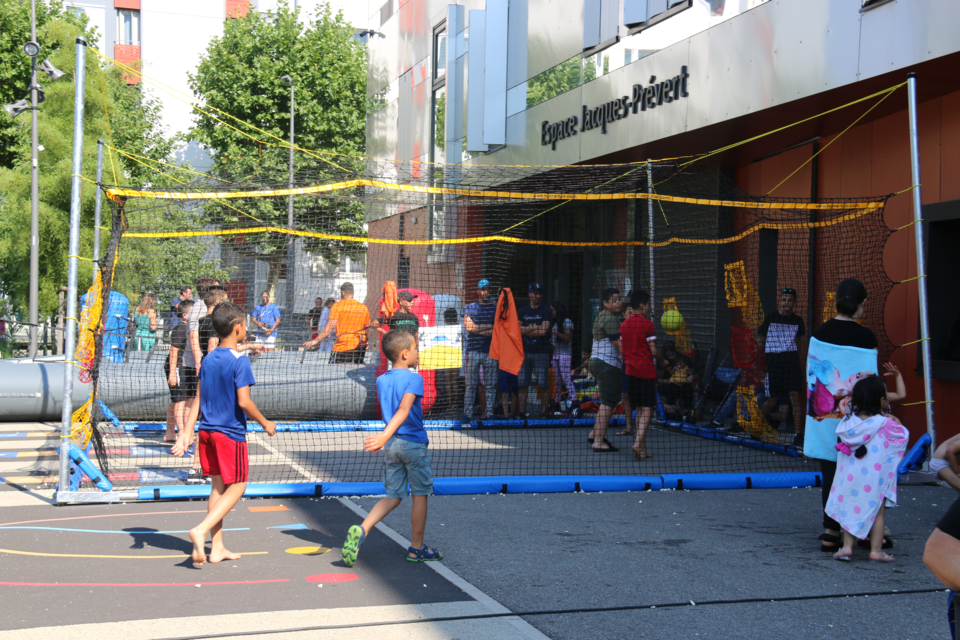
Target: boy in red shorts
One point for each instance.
(224, 392)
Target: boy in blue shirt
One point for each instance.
(404, 443)
(224, 392)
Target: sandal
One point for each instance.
(865, 544)
(832, 539)
(840, 556)
(355, 538)
(423, 555)
(884, 558)
(607, 449)
(624, 433)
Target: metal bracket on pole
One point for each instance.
(70, 332)
(921, 256)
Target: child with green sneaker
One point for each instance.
(404, 443)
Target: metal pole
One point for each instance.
(653, 276)
(34, 294)
(70, 338)
(291, 260)
(97, 209)
(921, 256)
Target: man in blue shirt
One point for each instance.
(478, 323)
(535, 320)
(266, 316)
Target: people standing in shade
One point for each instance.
(145, 316)
(350, 319)
(606, 365)
(781, 334)
(562, 339)
(820, 438)
(403, 320)
(535, 321)
(639, 350)
(478, 324)
(193, 356)
(266, 316)
(626, 310)
(186, 293)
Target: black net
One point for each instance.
(737, 282)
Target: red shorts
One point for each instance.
(221, 456)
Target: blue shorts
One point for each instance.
(538, 362)
(405, 462)
(508, 383)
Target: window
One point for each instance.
(128, 26)
(440, 54)
(352, 265)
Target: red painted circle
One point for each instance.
(333, 578)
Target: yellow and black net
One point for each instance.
(738, 283)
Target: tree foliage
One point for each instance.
(240, 75)
(135, 123)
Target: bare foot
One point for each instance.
(640, 454)
(221, 555)
(169, 436)
(198, 556)
(625, 432)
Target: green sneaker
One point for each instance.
(355, 538)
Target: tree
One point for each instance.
(240, 75)
(135, 123)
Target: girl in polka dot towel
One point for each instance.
(870, 448)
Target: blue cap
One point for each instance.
(483, 283)
(535, 287)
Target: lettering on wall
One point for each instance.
(644, 98)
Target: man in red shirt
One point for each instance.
(639, 339)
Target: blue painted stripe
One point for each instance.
(131, 532)
(299, 525)
(13, 435)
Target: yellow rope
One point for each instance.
(763, 135)
(913, 186)
(911, 279)
(907, 344)
(172, 166)
(75, 175)
(549, 243)
(824, 148)
(115, 193)
(910, 404)
(81, 258)
(909, 224)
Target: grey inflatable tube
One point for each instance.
(290, 386)
(32, 390)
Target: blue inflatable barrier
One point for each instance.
(784, 480)
(917, 455)
(82, 466)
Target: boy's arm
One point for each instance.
(249, 408)
(185, 439)
(195, 348)
(172, 376)
(375, 443)
(950, 455)
(212, 344)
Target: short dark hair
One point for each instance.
(225, 317)
(395, 342)
(205, 282)
(789, 291)
(184, 307)
(450, 316)
(265, 292)
(347, 287)
(609, 293)
(213, 296)
(639, 297)
(868, 395)
(186, 288)
(850, 295)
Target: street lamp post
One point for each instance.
(291, 257)
(32, 49)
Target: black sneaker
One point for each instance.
(798, 440)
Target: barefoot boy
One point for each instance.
(404, 443)
(226, 379)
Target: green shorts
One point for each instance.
(609, 381)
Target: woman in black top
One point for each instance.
(843, 330)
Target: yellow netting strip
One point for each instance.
(751, 419)
(741, 294)
(458, 241)
(116, 193)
